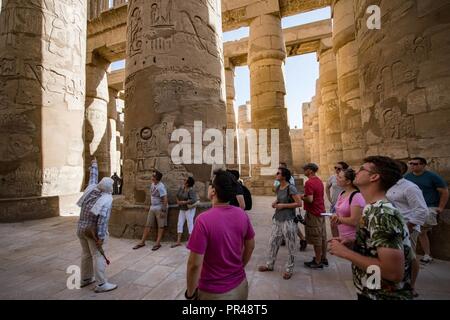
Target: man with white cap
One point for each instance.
(96, 204)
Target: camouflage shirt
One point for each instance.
(382, 225)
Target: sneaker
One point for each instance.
(85, 283)
(303, 245)
(325, 262)
(426, 259)
(314, 265)
(105, 287)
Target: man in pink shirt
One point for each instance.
(314, 205)
(221, 245)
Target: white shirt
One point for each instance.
(408, 199)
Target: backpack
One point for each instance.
(351, 196)
(247, 198)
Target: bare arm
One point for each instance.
(249, 246)
(355, 216)
(327, 191)
(443, 192)
(194, 267)
(391, 261)
(308, 199)
(241, 200)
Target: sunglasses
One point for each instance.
(414, 164)
(278, 173)
(337, 168)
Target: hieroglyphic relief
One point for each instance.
(162, 31)
(135, 37)
(396, 125)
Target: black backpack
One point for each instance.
(247, 198)
(351, 196)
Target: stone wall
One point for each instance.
(298, 150)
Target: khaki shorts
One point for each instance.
(431, 221)
(238, 293)
(315, 229)
(414, 235)
(158, 216)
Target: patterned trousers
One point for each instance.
(282, 230)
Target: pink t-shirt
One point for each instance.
(343, 210)
(219, 235)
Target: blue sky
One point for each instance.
(301, 72)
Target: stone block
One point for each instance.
(431, 124)
(417, 102)
(16, 210)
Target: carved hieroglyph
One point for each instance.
(405, 80)
(174, 76)
(42, 85)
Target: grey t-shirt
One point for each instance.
(283, 197)
(184, 195)
(335, 190)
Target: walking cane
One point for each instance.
(93, 234)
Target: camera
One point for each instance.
(298, 218)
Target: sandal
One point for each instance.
(287, 275)
(156, 247)
(175, 245)
(264, 269)
(139, 245)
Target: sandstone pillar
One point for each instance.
(174, 77)
(96, 123)
(330, 108)
(346, 49)
(298, 150)
(405, 81)
(307, 131)
(42, 85)
(315, 142)
(405, 85)
(112, 130)
(244, 123)
(266, 55)
(231, 119)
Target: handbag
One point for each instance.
(193, 205)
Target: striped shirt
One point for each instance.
(87, 219)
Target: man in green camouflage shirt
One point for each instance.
(382, 239)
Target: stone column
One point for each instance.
(244, 123)
(322, 139)
(96, 122)
(298, 150)
(405, 81)
(346, 49)
(330, 107)
(112, 130)
(266, 55)
(231, 94)
(231, 119)
(307, 131)
(174, 77)
(405, 87)
(315, 143)
(42, 86)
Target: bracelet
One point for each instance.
(194, 295)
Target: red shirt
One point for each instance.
(314, 187)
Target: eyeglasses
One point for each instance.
(278, 173)
(414, 164)
(364, 169)
(337, 168)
